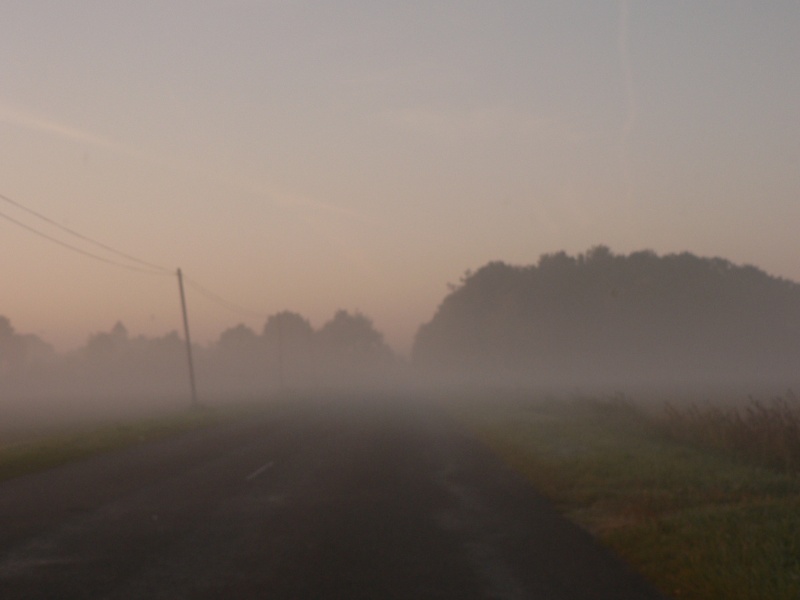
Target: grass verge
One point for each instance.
(697, 522)
(56, 449)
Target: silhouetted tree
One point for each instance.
(103, 345)
(352, 334)
(351, 352)
(289, 338)
(605, 318)
(238, 339)
(22, 353)
(287, 326)
(10, 347)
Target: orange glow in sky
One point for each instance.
(361, 156)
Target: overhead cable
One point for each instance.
(80, 250)
(231, 306)
(145, 266)
(82, 237)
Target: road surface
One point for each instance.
(314, 500)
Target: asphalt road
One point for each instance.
(317, 500)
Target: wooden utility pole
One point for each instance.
(280, 355)
(188, 340)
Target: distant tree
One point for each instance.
(101, 346)
(290, 339)
(599, 255)
(37, 350)
(351, 353)
(601, 317)
(6, 329)
(11, 347)
(351, 334)
(170, 343)
(288, 327)
(25, 359)
(239, 338)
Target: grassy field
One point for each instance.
(699, 518)
(36, 453)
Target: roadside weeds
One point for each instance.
(698, 521)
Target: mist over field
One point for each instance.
(597, 322)
(287, 155)
(290, 273)
(118, 374)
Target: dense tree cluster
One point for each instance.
(595, 319)
(607, 319)
(21, 355)
(347, 352)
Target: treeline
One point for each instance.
(595, 320)
(609, 320)
(345, 353)
(288, 354)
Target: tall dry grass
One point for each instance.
(699, 523)
(766, 432)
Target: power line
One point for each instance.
(79, 250)
(80, 236)
(231, 306)
(147, 267)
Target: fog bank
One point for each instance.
(593, 323)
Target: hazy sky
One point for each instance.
(362, 154)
